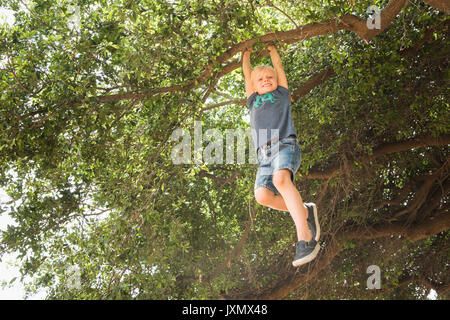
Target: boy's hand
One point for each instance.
(249, 50)
(271, 47)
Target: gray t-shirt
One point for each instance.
(270, 116)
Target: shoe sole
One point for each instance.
(307, 258)
(316, 219)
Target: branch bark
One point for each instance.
(411, 233)
(380, 151)
(441, 5)
(347, 22)
(313, 82)
(322, 76)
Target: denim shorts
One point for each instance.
(283, 154)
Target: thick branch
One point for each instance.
(441, 5)
(386, 16)
(306, 88)
(428, 35)
(405, 280)
(320, 77)
(313, 82)
(412, 233)
(346, 22)
(383, 150)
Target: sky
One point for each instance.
(6, 16)
(8, 268)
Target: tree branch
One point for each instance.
(441, 5)
(306, 88)
(380, 151)
(428, 35)
(346, 22)
(413, 233)
(284, 13)
(313, 82)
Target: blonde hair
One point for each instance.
(259, 69)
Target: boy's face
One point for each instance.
(265, 81)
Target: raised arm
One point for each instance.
(277, 64)
(247, 69)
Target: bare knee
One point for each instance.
(264, 196)
(282, 178)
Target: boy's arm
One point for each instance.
(277, 64)
(247, 69)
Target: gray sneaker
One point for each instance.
(306, 251)
(313, 221)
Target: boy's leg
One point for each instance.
(266, 197)
(293, 202)
(307, 246)
(269, 199)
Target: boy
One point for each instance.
(279, 154)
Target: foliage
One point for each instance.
(85, 150)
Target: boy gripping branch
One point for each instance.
(279, 155)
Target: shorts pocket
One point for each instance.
(297, 157)
(259, 156)
(265, 171)
(288, 142)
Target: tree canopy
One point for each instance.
(91, 92)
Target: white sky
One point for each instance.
(8, 268)
(6, 16)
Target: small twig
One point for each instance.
(224, 103)
(275, 7)
(11, 70)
